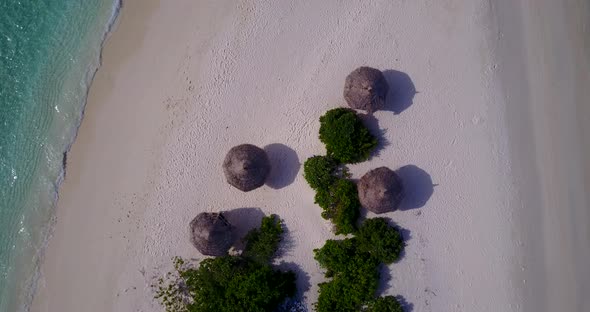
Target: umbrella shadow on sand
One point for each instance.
(399, 97)
(418, 187)
(243, 220)
(401, 91)
(284, 165)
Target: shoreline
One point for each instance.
(40, 293)
(143, 163)
(36, 225)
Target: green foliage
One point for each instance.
(346, 138)
(320, 171)
(262, 243)
(345, 295)
(335, 255)
(355, 276)
(343, 258)
(382, 241)
(237, 284)
(384, 304)
(231, 283)
(340, 203)
(353, 264)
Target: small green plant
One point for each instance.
(171, 290)
(231, 283)
(341, 204)
(320, 171)
(346, 138)
(382, 241)
(384, 304)
(262, 244)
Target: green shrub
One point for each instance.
(345, 295)
(353, 264)
(262, 243)
(335, 256)
(384, 304)
(346, 138)
(354, 274)
(320, 172)
(340, 203)
(231, 283)
(343, 258)
(323, 197)
(380, 240)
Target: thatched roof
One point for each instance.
(366, 88)
(246, 167)
(380, 190)
(211, 234)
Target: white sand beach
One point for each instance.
(486, 120)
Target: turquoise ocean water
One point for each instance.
(49, 52)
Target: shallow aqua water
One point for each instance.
(49, 51)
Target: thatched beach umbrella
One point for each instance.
(246, 167)
(366, 88)
(211, 234)
(380, 190)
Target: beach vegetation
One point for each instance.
(345, 136)
(245, 282)
(346, 294)
(320, 171)
(344, 258)
(340, 203)
(382, 241)
(262, 243)
(384, 304)
(352, 266)
(292, 305)
(354, 276)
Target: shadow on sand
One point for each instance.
(303, 283)
(373, 125)
(385, 273)
(399, 97)
(285, 249)
(401, 91)
(243, 220)
(418, 187)
(284, 164)
(408, 307)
